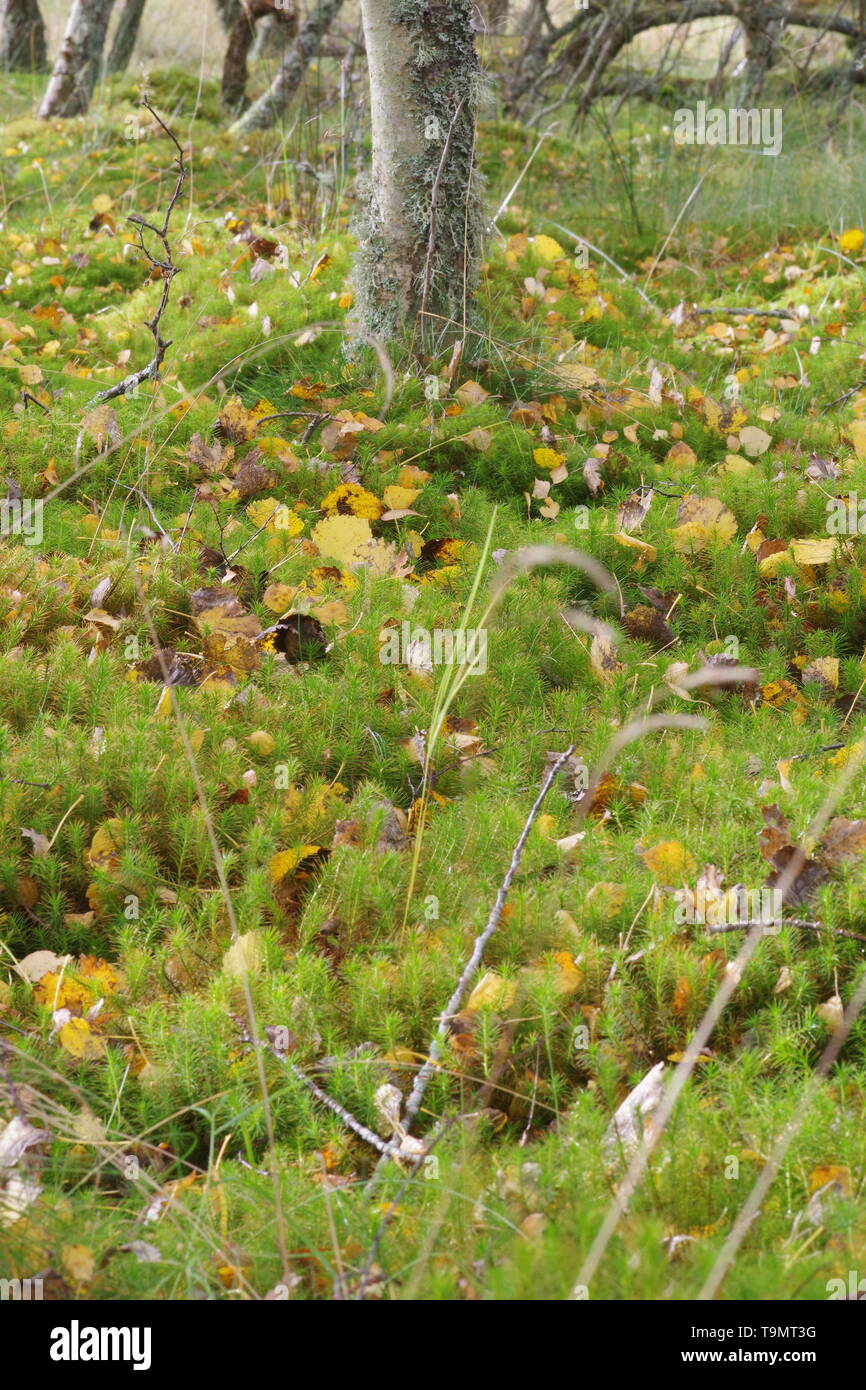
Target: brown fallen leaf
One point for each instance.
(844, 840)
(645, 624)
(787, 859)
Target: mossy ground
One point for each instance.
(87, 739)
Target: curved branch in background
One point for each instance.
(79, 61)
(270, 106)
(22, 37)
(580, 52)
(241, 36)
(125, 36)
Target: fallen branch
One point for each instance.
(453, 1006)
(167, 269)
(786, 922)
(845, 396)
(755, 313)
(348, 1119)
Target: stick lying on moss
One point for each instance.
(453, 1006)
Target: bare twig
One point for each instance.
(348, 1119)
(452, 1007)
(755, 1199)
(845, 396)
(153, 516)
(167, 270)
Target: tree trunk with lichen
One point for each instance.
(126, 35)
(419, 234)
(22, 36)
(79, 61)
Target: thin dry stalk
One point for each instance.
(752, 1205)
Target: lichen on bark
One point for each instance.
(420, 224)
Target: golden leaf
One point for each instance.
(702, 520)
(669, 862)
(341, 537)
(79, 1040)
(491, 991)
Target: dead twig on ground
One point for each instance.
(786, 922)
(348, 1119)
(453, 1006)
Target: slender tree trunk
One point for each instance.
(762, 36)
(271, 104)
(419, 239)
(241, 35)
(79, 61)
(22, 37)
(126, 35)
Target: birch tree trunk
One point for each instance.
(79, 61)
(420, 233)
(22, 37)
(126, 35)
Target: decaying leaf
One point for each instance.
(603, 658)
(702, 521)
(634, 1116)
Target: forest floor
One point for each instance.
(244, 822)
